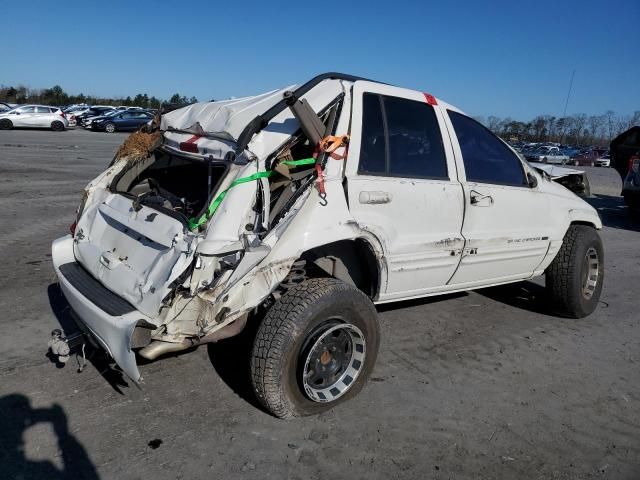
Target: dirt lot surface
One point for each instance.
(481, 385)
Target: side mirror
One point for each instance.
(16, 113)
(532, 180)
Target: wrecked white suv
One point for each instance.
(301, 209)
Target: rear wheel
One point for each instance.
(6, 124)
(315, 348)
(574, 278)
(109, 128)
(57, 126)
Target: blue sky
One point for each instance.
(505, 58)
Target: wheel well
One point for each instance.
(352, 261)
(586, 224)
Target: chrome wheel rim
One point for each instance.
(590, 273)
(333, 362)
(110, 128)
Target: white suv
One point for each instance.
(301, 209)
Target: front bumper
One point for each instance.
(112, 331)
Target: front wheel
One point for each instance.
(110, 128)
(574, 278)
(6, 124)
(315, 348)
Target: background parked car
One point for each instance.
(588, 156)
(127, 120)
(34, 116)
(625, 158)
(547, 154)
(88, 122)
(95, 111)
(603, 160)
(5, 107)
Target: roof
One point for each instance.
(264, 120)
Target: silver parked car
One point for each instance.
(34, 116)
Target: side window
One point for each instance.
(27, 110)
(400, 138)
(43, 110)
(486, 158)
(414, 139)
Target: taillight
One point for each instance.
(62, 114)
(189, 147)
(634, 164)
(72, 228)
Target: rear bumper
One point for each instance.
(113, 330)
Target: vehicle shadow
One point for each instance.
(231, 360)
(525, 295)
(98, 358)
(614, 213)
(17, 416)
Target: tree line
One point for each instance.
(58, 97)
(578, 129)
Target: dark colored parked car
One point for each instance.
(625, 158)
(588, 157)
(92, 112)
(126, 120)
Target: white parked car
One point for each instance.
(34, 116)
(301, 209)
(548, 154)
(604, 160)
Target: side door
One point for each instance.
(24, 117)
(506, 223)
(125, 120)
(42, 117)
(403, 188)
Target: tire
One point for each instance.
(57, 126)
(574, 278)
(109, 128)
(6, 124)
(545, 160)
(302, 323)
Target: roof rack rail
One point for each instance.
(261, 121)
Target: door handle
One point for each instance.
(374, 198)
(480, 200)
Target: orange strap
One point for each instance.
(329, 145)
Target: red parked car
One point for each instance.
(588, 157)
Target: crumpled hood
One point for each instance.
(555, 171)
(226, 118)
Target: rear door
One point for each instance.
(42, 117)
(403, 188)
(506, 226)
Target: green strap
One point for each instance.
(213, 206)
(295, 163)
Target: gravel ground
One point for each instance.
(487, 384)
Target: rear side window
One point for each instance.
(400, 138)
(43, 110)
(486, 158)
